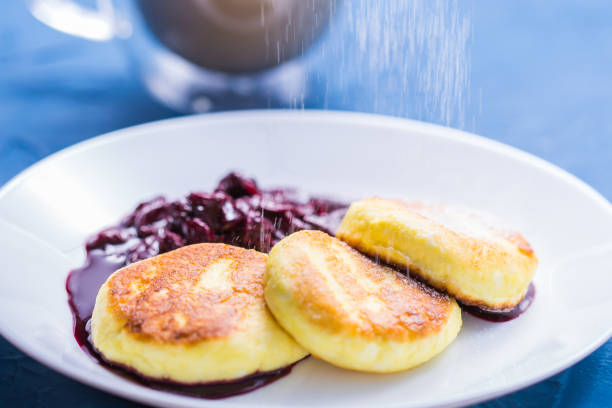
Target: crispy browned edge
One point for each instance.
(413, 270)
(423, 312)
(515, 237)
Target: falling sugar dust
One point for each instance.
(401, 57)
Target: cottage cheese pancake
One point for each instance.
(346, 309)
(193, 315)
(469, 255)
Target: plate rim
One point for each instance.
(354, 118)
(339, 115)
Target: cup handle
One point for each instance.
(99, 24)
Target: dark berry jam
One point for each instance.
(497, 317)
(210, 390)
(237, 212)
(217, 390)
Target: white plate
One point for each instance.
(50, 209)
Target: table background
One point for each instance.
(541, 80)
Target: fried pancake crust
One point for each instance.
(352, 312)
(469, 255)
(193, 315)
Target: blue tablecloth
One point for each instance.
(541, 81)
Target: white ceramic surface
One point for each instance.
(47, 211)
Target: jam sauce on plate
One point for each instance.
(237, 212)
(504, 316)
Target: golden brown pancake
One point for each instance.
(467, 254)
(346, 309)
(193, 315)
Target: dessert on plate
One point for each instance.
(191, 316)
(469, 255)
(352, 312)
(188, 301)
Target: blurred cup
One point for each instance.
(199, 55)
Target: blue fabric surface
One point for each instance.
(541, 81)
